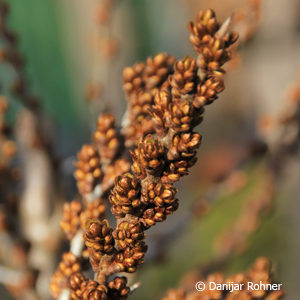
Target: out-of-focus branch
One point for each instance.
(39, 206)
(104, 51)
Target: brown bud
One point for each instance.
(148, 157)
(88, 171)
(98, 236)
(106, 137)
(131, 257)
(157, 70)
(118, 289)
(181, 116)
(77, 284)
(158, 214)
(128, 233)
(68, 266)
(70, 221)
(159, 194)
(94, 291)
(125, 195)
(183, 81)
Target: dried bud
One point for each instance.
(148, 157)
(128, 233)
(183, 81)
(131, 257)
(184, 146)
(77, 284)
(162, 100)
(88, 171)
(70, 222)
(214, 56)
(118, 289)
(132, 77)
(68, 266)
(159, 194)
(106, 136)
(208, 91)
(141, 82)
(94, 291)
(181, 116)
(178, 168)
(125, 195)
(98, 236)
(157, 70)
(211, 40)
(158, 214)
(206, 25)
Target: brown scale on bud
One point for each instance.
(157, 70)
(206, 25)
(77, 285)
(88, 172)
(181, 156)
(184, 146)
(118, 289)
(129, 259)
(68, 266)
(178, 168)
(162, 100)
(106, 137)
(128, 233)
(70, 221)
(94, 210)
(159, 194)
(210, 40)
(94, 291)
(208, 91)
(148, 157)
(132, 77)
(181, 116)
(215, 54)
(98, 236)
(183, 81)
(141, 94)
(158, 214)
(125, 195)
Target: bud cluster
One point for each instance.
(70, 221)
(106, 137)
(68, 266)
(98, 236)
(88, 172)
(148, 157)
(166, 102)
(140, 82)
(125, 196)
